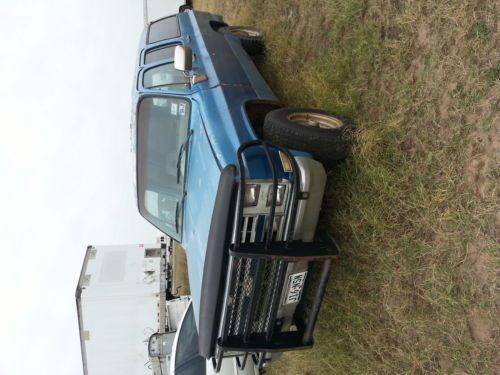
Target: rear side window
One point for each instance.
(164, 53)
(165, 28)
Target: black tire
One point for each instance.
(325, 135)
(185, 7)
(252, 39)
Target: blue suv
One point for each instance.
(237, 179)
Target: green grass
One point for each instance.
(416, 207)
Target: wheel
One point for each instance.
(185, 8)
(252, 39)
(325, 135)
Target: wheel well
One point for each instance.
(216, 25)
(257, 110)
(185, 7)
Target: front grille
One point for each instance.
(249, 228)
(262, 314)
(253, 228)
(245, 270)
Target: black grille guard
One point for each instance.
(230, 300)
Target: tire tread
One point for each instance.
(327, 145)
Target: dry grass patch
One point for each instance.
(416, 207)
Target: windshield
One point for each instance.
(187, 359)
(162, 131)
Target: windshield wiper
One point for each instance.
(177, 217)
(177, 211)
(179, 157)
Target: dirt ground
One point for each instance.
(416, 207)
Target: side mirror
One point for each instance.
(183, 59)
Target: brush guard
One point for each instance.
(250, 326)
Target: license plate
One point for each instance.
(294, 288)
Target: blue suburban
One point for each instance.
(226, 171)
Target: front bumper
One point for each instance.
(242, 313)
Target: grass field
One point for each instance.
(416, 208)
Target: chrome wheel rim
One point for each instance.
(243, 32)
(316, 120)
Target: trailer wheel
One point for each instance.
(251, 38)
(325, 135)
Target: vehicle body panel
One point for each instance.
(201, 186)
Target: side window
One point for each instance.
(164, 53)
(165, 77)
(165, 28)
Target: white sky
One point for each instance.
(66, 177)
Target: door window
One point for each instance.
(165, 77)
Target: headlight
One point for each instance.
(280, 196)
(251, 194)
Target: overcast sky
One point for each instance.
(66, 177)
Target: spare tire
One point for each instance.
(251, 38)
(325, 135)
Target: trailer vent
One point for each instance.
(92, 253)
(86, 280)
(86, 335)
(152, 253)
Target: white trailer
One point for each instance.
(127, 312)
(132, 303)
